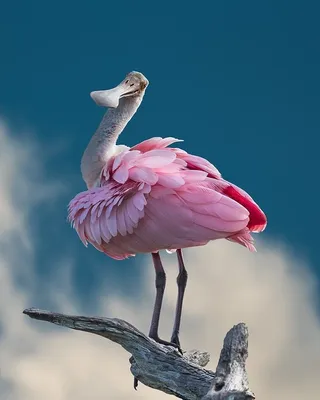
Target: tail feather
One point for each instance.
(257, 218)
(244, 238)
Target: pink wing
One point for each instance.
(257, 219)
(105, 212)
(153, 197)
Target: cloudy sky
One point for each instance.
(240, 85)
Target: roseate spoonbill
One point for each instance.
(152, 197)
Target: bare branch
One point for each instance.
(163, 367)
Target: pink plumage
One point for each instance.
(153, 197)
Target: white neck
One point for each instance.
(102, 145)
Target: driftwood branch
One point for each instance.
(163, 367)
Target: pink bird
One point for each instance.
(152, 197)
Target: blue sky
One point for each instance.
(240, 83)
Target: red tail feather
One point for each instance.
(258, 220)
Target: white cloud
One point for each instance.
(271, 291)
(23, 184)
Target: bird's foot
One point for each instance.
(175, 344)
(175, 339)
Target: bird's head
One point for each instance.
(133, 85)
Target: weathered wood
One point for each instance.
(163, 367)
